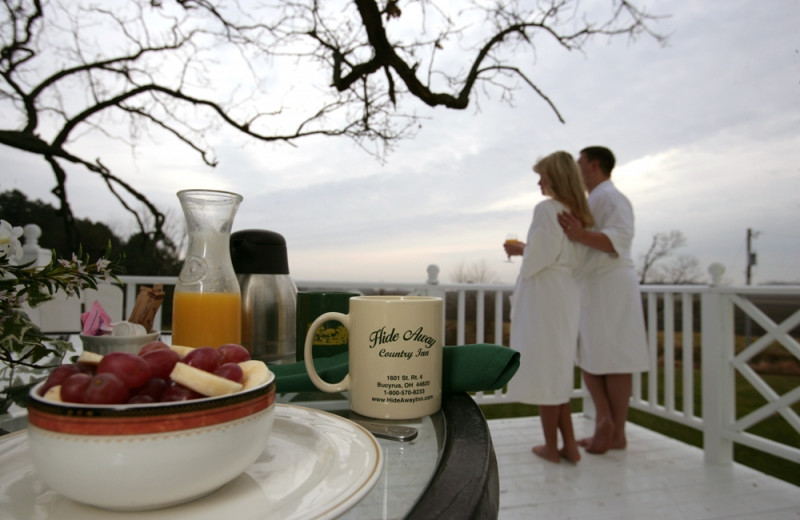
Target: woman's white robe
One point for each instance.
(545, 311)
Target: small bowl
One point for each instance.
(107, 343)
(146, 456)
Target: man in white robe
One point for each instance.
(612, 342)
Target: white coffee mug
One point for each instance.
(395, 355)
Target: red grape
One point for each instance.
(161, 361)
(153, 345)
(178, 392)
(233, 353)
(150, 392)
(73, 387)
(58, 375)
(87, 368)
(106, 388)
(132, 370)
(204, 358)
(230, 371)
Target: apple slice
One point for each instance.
(53, 394)
(90, 358)
(254, 373)
(203, 382)
(181, 350)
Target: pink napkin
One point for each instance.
(96, 322)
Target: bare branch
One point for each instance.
(70, 68)
(662, 246)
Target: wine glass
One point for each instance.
(511, 238)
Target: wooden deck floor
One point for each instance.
(655, 478)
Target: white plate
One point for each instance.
(316, 465)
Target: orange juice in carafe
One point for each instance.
(207, 306)
(206, 319)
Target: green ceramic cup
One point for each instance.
(331, 337)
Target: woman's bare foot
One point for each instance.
(546, 453)
(603, 436)
(572, 454)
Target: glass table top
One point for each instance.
(408, 465)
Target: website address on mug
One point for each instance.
(402, 399)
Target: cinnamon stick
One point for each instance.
(148, 301)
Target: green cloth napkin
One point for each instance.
(466, 368)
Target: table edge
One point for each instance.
(466, 482)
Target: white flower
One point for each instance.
(9, 241)
(102, 264)
(77, 264)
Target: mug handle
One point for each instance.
(342, 385)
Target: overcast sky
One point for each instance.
(706, 132)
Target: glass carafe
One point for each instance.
(206, 308)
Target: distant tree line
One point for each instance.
(143, 256)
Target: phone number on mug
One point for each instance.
(418, 391)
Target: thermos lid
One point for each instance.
(258, 251)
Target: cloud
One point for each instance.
(706, 132)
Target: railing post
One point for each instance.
(31, 251)
(718, 383)
(433, 289)
(498, 318)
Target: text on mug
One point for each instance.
(382, 336)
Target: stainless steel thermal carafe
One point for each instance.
(269, 295)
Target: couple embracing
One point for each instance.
(577, 297)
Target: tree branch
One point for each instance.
(153, 65)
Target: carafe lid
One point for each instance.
(258, 251)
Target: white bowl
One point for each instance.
(148, 456)
(107, 343)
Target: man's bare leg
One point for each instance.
(549, 450)
(619, 388)
(596, 386)
(600, 441)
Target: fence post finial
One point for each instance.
(31, 251)
(716, 270)
(433, 275)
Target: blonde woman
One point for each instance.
(546, 303)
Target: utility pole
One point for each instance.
(751, 255)
(751, 261)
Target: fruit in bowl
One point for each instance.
(137, 455)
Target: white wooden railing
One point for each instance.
(712, 332)
(720, 362)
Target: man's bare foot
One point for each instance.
(619, 444)
(572, 454)
(603, 435)
(616, 444)
(546, 453)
